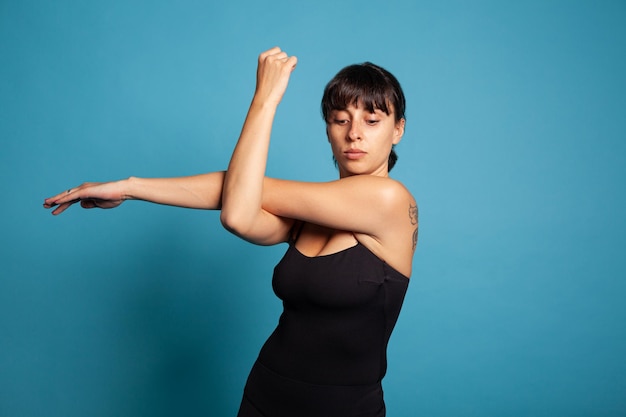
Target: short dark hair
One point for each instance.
(370, 85)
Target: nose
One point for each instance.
(355, 132)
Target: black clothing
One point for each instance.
(327, 356)
(268, 394)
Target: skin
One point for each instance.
(361, 141)
(364, 205)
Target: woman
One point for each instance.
(351, 241)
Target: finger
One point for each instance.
(65, 196)
(288, 64)
(73, 194)
(62, 199)
(52, 201)
(279, 55)
(62, 207)
(292, 61)
(269, 52)
(59, 210)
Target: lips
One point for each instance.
(354, 153)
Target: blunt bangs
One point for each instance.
(364, 84)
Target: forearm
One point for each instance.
(202, 191)
(243, 182)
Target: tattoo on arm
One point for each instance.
(413, 214)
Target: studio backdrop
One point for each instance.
(515, 149)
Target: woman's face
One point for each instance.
(361, 141)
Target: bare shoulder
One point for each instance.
(403, 199)
(392, 194)
(387, 189)
(398, 192)
(397, 240)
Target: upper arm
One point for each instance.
(268, 229)
(362, 204)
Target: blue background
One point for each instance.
(515, 150)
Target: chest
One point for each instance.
(349, 278)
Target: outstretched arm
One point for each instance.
(242, 185)
(202, 191)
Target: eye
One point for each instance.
(372, 122)
(340, 121)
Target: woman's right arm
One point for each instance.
(203, 191)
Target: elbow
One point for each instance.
(235, 223)
(228, 221)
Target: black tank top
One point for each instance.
(338, 313)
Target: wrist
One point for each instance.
(129, 187)
(264, 104)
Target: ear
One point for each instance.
(398, 131)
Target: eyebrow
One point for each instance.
(376, 109)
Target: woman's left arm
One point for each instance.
(365, 204)
(380, 212)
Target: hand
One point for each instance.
(273, 72)
(104, 195)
